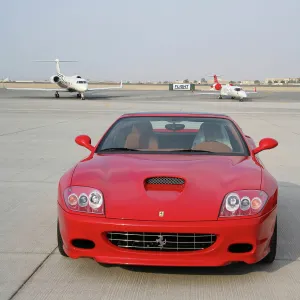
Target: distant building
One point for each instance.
(247, 82)
(280, 80)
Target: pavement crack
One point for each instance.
(31, 275)
(32, 128)
(29, 181)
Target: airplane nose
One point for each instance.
(83, 87)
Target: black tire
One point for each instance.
(105, 265)
(273, 247)
(60, 242)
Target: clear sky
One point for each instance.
(151, 40)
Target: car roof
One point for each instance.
(176, 113)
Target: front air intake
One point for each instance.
(165, 180)
(162, 242)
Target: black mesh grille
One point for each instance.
(155, 241)
(164, 180)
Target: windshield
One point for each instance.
(238, 89)
(159, 134)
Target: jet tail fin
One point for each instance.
(57, 61)
(216, 80)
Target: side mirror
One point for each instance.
(265, 144)
(84, 141)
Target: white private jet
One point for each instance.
(227, 90)
(71, 84)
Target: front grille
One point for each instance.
(164, 180)
(161, 241)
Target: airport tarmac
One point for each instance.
(37, 145)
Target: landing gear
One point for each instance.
(220, 97)
(241, 99)
(56, 95)
(81, 96)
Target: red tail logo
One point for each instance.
(216, 79)
(217, 86)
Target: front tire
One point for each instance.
(273, 247)
(60, 242)
(105, 265)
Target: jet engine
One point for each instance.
(54, 79)
(217, 86)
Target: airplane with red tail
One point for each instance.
(228, 90)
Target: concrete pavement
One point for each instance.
(37, 145)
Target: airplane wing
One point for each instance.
(106, 88)
(208, 93)
(251, 92)
(36, 89)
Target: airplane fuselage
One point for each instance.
(71, 83)
(229, 90)
(233, 91)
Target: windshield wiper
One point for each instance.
(193, 150)
(117, 149)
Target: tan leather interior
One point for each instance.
(211, 132)
(212, 146)
(153, 144)
(133, 142)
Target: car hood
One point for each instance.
(208, 178)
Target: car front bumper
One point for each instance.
(254, 231)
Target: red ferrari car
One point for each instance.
(170, 189)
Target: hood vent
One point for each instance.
(164, 184)
(165, 180)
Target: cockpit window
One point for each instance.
(81, 81)
(238, 89)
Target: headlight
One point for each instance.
(84, 199)
(243, 203)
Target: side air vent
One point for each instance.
(165, 181)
